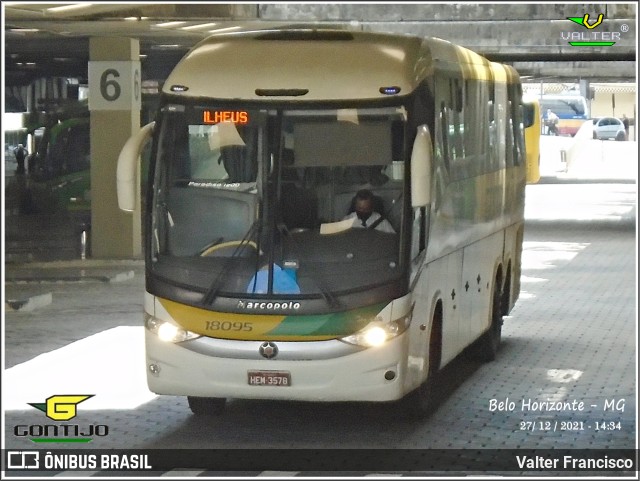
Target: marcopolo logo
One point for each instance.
(593, 36)
(270, 306)
(61, 408)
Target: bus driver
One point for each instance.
(364, 216)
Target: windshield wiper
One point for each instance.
(212, 292)
(329, 298)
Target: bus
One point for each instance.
(59, 169)
(60, 166)
(572, 111)
(532, 132)
(256, 285)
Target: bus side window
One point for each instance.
(516, 114)
(444, 135)
(456, 130)
(419, 231)
(509, 150)
(493, 141)
(518, 134)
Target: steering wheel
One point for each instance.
(210, 249)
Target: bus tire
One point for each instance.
(490, 340)
(206, 406)
(506, 295)
(420, 403)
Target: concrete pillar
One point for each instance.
(114, 102)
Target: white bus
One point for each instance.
(256, 285)
(572, 111)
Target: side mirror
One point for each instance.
(421, 159)
(127, 166)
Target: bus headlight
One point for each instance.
(376, 333)
(168, 331)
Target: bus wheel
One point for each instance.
(490, 340)
(419, 403)
(206, 406)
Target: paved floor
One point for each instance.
(572, 338)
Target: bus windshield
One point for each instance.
(566, 107)
(252, 203)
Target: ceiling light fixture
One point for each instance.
(201, 25)
(224, 29)
(73, 6)
(169, 24)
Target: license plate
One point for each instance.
(269, 378)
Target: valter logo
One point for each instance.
(591, 37)
(61, 407)
(584, 21)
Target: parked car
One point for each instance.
(608, 128)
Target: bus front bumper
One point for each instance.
(372, 374)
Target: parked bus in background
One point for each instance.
(59, 168)
(257, 286)
(572, 111)
(532, 132)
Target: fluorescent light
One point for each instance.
(202, 25)
(169, 24)
(24, 30)
(74, 6)
(224, 29)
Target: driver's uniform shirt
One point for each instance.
(384, 226)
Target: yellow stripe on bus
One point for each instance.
(227, 325)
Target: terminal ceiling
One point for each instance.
(44, 40)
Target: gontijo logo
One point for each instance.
(61, 407)
(592, 37)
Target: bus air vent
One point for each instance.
(317, 35)
(281, 92)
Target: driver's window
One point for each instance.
(418, 231)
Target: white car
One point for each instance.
(608, 128)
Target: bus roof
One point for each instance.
(316, 64)
(561, 96)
